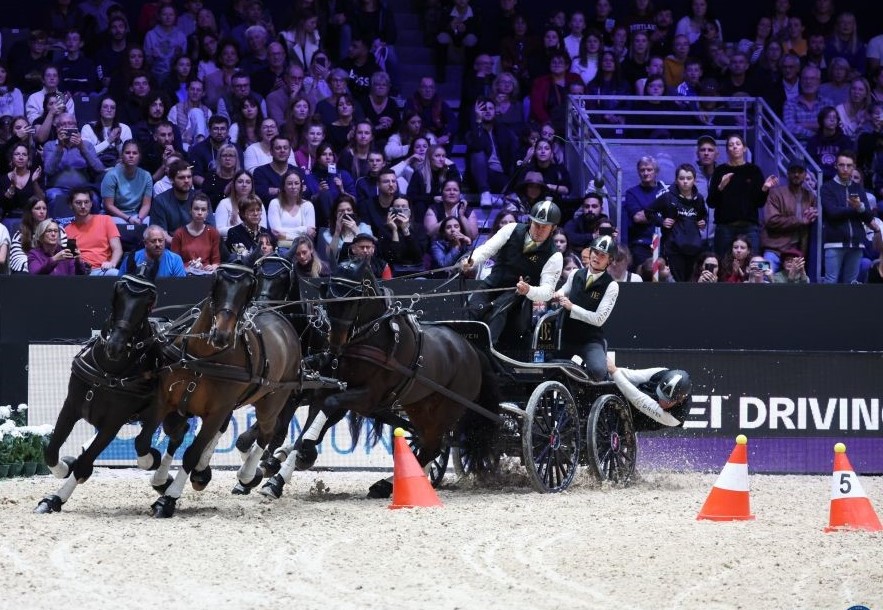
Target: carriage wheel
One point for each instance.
(550, 437)
(612, 443)
(468, 462)
(437, 467)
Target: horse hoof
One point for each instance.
(242, 489)
(273, 487)
(305, 457)
(161, 489)
(50, 504)
(271, 465)
(164, 507)
(381, 489)
(200, 479)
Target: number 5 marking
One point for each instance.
(845, 483)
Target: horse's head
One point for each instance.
(275, 275)
(350, 279)
(232, 290)
(133, 298)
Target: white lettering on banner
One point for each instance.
(744, 405)
(712, 413)
(779, 413)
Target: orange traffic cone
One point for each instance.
(410, 485)
(728, 499)
(850, 507)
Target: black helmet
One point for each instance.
(605, 244)
(545, 212)
(674, 386)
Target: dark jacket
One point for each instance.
(478, 140)
(741, 198)
(684, 236)
(841, 223)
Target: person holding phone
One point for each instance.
(707, 268)
(845, 209)
(48, 257)
(403, 243)
(759, 271)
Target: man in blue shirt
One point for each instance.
(160, 262)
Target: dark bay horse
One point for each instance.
(232, 355)
(390, 361)
(112, 382)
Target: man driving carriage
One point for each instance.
(588, 298)
(670, 387)
(523, 253)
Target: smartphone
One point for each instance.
(72, 245)
(332, 168)
(852, 191)
(606, 230)
(710, 268)
(406, 212)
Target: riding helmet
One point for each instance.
(605, 244)
(545, 212)
(674, 386)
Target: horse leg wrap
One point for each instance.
(250, 464)
(49, 504)
(161, 476)
(150, 461)
(63, 467)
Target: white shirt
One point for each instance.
(627, 379)
(548, 276)
(223, 213)
(605, 307)
(279, 219)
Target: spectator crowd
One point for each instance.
(183, 134)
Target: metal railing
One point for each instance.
(597, 125)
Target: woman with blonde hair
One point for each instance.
(48, 257)
(855, 112)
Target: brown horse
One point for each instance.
(230, 356)
(390, 361)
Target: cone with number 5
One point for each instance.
(850, 507)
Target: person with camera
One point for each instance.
(588, 298)
(659, 394)
(845, 209)
(523, 253)
(403, 243)
(69, 161)
(48, 257)
(327, 181)
(707, 267)
(759, 271)
(492, 150)
(96, 236)
(451, 204)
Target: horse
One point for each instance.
(112, 382)
(231, 355)
(389, 361)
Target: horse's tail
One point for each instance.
(478, 433)
(357, 422)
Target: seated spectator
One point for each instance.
(656, 271)
(268, 177)
(360, 144)
(855, 112)
(845, 209)
(219, 82)
(437, 116)
(133, 91)
(191, 115)
(477, 84)
(11, 102)
(96, 235)
(339, 129)
(425, 187)
(280, 98)
(755, 46)
(411, 163)
(450, 244)
(580, 228)
(155, 109)
(402, 241)
(126, 189)
(738, 79)
(870, 152)
(707, 268)
(69, 161)
(158, 261)
(793, 269)
(360, 65)
(681, 213)
(364, 247)
(399, 145)
(692, 24)
(451, 204)
(846, 43)
(507, 100)
(289, 214)
(828, 141)
(517, 51)
(34, 107)
(531, 189)
(305, 156)
(460, 31)
(327, 108)
(302, 38)
(548, 96)
(171, 209)
(734, 268)
(218, 183)
(4, 249)
(176, 83)
(789, 214)
(317, 81)
(327, 181)
(344, 226)
(374, 211)
(197, 243)
(689, 87)
(759, 271)
(491, 149)
(242, 239)
(674, 64)
(227, 212)
(297, 121)
(260, 152)
(163, 42)
(801, 114)
(20, 184)
(306, 263)
(367, 183)
(44, 125)
(48, 257)
(836, 87)
(657, 111)
(245, 130)
(635, 65)
(381, 110)
(231, 105)
(25, 62)
(107, 134)
(156, 154)
(609, 82)
(556, 176)
(35, 212)
(620, 265)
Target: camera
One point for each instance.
(406, 212)
(332, 168)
